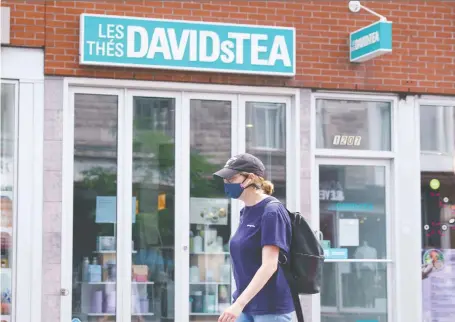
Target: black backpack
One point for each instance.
(303, 268)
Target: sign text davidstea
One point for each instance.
(185, 45)
(371, 41)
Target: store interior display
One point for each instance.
(353, 219)
(210, 266)
(7, 201)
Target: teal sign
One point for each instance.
(349, 206)
(371, 41)
(325, 244)
(336, 253)
(185, 45)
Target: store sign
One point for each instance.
(186, 45)
(371, 41)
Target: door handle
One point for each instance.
(64, 292)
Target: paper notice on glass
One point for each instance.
(348, 232)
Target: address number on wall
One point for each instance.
(347, 140)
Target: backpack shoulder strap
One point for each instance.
(288, 275)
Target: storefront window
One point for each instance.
(352, 207)
(353, 125)
(435, 128)
(95, 208)
(153, 284)
(266, 139)
(210, 210)
(438, 217)
(7, 203)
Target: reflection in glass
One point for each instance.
(354, 292)
(210, 220)
(153, 287)
(435, 124)
(95, 208)
(357, 125)
(352, 209)
(8, 209)
(352, 206)
(266, 139)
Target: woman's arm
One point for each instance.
(268, 268)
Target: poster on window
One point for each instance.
(438, 285)
(207, 211)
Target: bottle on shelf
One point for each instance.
(210, 303)
(85, 264)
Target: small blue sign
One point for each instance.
(106, 209)
(186, 45)
(371, 41)
(336, 253)
(351, 206)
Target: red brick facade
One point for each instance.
(423, 58)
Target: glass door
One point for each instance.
(212, 140)
(120, 179)
(154, 180)
(353, 217)
(90, 254)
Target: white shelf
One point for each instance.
(113, 314)
(8, 230)
(100, 283)
(110, 252)
(210, 283)
(6, 318)
(209, 253)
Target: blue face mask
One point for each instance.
(234, 190)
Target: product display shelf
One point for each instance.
(205, 287)
(108, 282)
(110, 252)
(88, 287)
(209, 253)
(5, 318)
(113, 314)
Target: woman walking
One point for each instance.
(261, 240)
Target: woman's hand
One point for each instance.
(231, 313)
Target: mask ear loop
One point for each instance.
(250, 185)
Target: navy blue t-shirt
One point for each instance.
(257, 229)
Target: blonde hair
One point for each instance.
(264, 185)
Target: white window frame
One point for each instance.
(25, 68)
(273, 146)
(290, 141)
(431, 160)
(183, 91)
(389, 249)
(367, 156)
(355, 153)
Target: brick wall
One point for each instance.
(423, 58)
